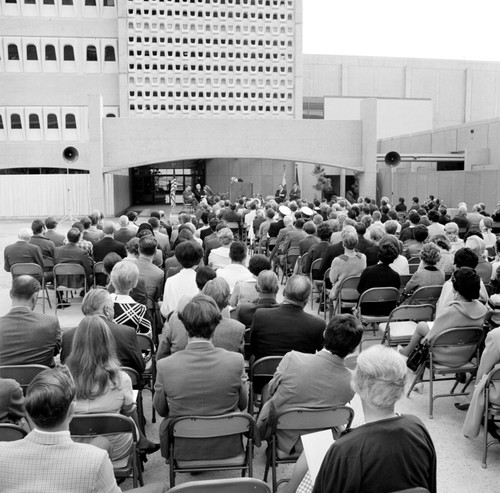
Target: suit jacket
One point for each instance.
(108, 245)
(274, 228)
(313, 381)
(56, 237)
(127, 347)
(163, 242)
(280, 241)
(291, 245)
(275, 331)
(72, 254)
(67, 466)
(229, 335)
(22, 252)
(212, 382)
(124, 235)
(93, 235)
(153, 278)
(331, 252)
(11, 401)
(363, 244)
(28, 337)
(315, 252)
(46, 246)
(245, 311)
(210, 245)
(307, 243)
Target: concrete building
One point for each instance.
(103, 102)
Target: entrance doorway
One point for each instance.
(151, 183)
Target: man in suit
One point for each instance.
(275, 331)
(45, 244)
(161, 238)
(99, 302)
(28, 337)
(291, 244)
(22, 252)
(91, 231)
(71, 253)
(52, 234)
(108, 244)
(212, 382)
(47, 459)
(311, 238)
(363, 243)
(282, 236)
(314, 381)
(152, 275)
(125, 232)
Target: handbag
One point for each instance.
(418, 356)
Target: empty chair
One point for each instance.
(232, 485)
(22, 374)
(10, 432)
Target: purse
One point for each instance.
(418, 356)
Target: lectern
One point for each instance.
(240, 189)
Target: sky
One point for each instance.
(443, 29)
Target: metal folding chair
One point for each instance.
(232, 485)
(34, 270)
(262, 369)
(137, 385)
(147, 347)
(10, 432)
(491, 412)
(372, 298)
(316, 283)
(348, 295)
(100, 273)
(426, 295)
(69, 278)
(22, 374)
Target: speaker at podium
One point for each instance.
(240, 189)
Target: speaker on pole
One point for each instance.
(392, 158)
(70, 154)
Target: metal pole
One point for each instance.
(392, 187)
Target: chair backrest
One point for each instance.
(414, 261)
(374, 296)
(426, 295)
(348, 289)
(315, 266)
(102, 424)
(493, 375)
(231, 485)
(99, 268)
(134, 376)
(264, 367)
(145, 343)
(69, 276)
(455, 347)
(416, 313)
(10, 432)
(68, 270)
(404, 278)
(22, 374)
(326, 279)
(303, 261)
(314, 419)
(26, 269)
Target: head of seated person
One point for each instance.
(267, 282)
(391, 227)
(225, 236)
(238, 252)
(37, 227)
(124, 277)
(148, 245)
(476, 244)
(203, 275)
(144, 229)
(324, 231)
(98, 301)
(387, 253)
(465, 257)
(441, 241)
(421, 233)
(258, 263)
(309, 228)
(391, 239)
(50, 399)
(73, 235)
(430, 254)
(109, 261)
(200, 317)
(343, 335)
(349, 237)
(466, 283)
(188, 254)
(377, 232)
(218, 290)
(414, 217)
(24, 291)
(297, 290)
(132, 247)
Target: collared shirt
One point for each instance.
(182, 284)
(85, 245)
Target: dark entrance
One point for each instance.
(151, 183)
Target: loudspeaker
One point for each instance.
(392, 158)
(70, 154)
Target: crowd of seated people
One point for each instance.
(202, 290)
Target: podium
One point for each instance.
(240, 189)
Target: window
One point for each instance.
(70, 121)
(48, 2)
(31, 53)
(67, 2)
(110, 115)
(34, 121)
(91, 53)
(1, 122)
(108, 3)
(52, 121)
(30, 2)
(50, 53)
(90, 3)
(15, 122)
(12, 52)
(109, 54)
(69, 53)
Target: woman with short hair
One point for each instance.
(429, 274)
(219, 257)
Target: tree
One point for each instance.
(324, 184)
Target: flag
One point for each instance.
(283, 181)
(173, 190)
(297, 175)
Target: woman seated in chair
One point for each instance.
(465, 311)
(429, 274)
(101, 386)
(124, 278)
(219, 257)
(390, 452)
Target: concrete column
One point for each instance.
(95, 150)
(342, 182)
(368, 178)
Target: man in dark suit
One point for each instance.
(311, 238)
(108, 244)
(46, 246)
(28, 337)
(22, 252)
(72, 254)
(212, 382)
(90, 230)
(318, 251)
(52, 234)
(363, 243)
(99, 302)
(125, 232)
(275, 331)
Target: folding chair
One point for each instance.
(137, 385)
(327, 287)
(404, 280)
(306, 420)
(203, 428)
(450, 352)
(69, 278)
(372, 298)
(262, 369)
(302, 262)
(318, 283)
(426, 295)
(232, 485)
(22, 374)
(414, 264)
(235, 227)
(491, 412)
(100, 273)
(34, 270)
(402, 323)
(91, 425)
(10, 432)
(147, 347)
(348, 295)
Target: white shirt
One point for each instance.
(233, 273)
(182, 284)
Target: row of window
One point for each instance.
(202, 28)
(88, 3)
(216, 108)
(222, 14)
(223, 69)
(34, 121)
(49, 53)
(201, 55)
(258, 3)
(212, 40)
(208, 95)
